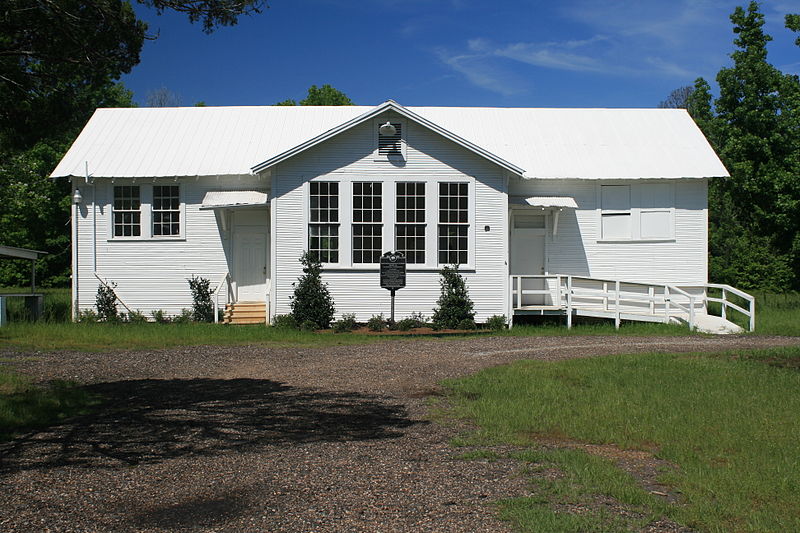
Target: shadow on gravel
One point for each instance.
(145, 421)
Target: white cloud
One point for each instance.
(481, 73)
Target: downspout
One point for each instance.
(75, 277)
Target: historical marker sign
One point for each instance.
(393, 271)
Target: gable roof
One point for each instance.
(533, 142)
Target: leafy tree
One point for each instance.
(677, 99)
(311, 301)
(454, 305)
(754, 126)
(202, 304)
(325, 95)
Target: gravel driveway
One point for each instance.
(261, 439)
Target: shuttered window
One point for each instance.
(616, 212)
(391, 145)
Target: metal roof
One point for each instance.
(20, 253)
(546, 143)
(220, 199)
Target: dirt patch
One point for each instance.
(250, 438)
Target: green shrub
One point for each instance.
(454, 304)
(346, 323)
(106, 302)
(202, 306)
(184, 318)
(497, 322)
(308, 325)
(88, 316)
(160, 317)
(406, 324)
(311, 301)
(376, 323)
(467, 323)
(284, 322)
(136, 317)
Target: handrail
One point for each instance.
(107, 286)
(750, 312)
(228, 295)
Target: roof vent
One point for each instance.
(390, 136)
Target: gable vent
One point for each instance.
(391, 144)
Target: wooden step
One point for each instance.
(245, 313)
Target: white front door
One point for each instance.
(527, 254)
(250, 263)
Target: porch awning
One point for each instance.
(228, 199)
(557, 202)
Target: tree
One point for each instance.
(325, 95)
(454, 305)
(163, 97)
(755, 127)
(311, 301)
(677, 99)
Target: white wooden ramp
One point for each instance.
(618, 300)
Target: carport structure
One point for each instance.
(34, 302)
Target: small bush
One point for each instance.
(497, 322)
(87, 316)
(202, 306)
(106, 302)
(160, 317)
(454, 304)
(407, 324)
(136, 317)
(467, 323)
(184, 318)
(346, 323)
(376, 323)
(284, 322)
(311, 301)
(308, 325)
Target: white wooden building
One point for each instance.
(571, 199)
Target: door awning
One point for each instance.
(229, 199)
(544, 202)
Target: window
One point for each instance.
(453, 223)
(616, 212)
(655, 214)
(323, 231)
(166, 210)
(127, 211)
(410, 221)
(367, 222)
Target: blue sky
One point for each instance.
(570, 53)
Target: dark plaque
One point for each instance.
(393, 271)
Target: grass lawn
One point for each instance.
(728, 422)
(24, 406)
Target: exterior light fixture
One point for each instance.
(77, 198)
(387, 129)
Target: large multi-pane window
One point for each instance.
(367, 222)
(453, 223)
(410, 221)
(127, 211)
(166, 210)
(323, 231)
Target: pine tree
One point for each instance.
(312, 301)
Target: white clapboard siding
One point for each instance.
(430, 158)
(578, 249)
(152, 274)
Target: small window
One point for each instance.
(323, 231)
(453, 223)
(391, 145)
(616, 212)
(410, 218)
(127, 211)
(367, 222)
(166, 210)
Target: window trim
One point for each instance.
(146, 210)
(635, 211)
